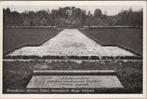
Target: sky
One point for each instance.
(107, 8)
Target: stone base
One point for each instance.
(74, 79)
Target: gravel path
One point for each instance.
(71, 42)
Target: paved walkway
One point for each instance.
(72, 42)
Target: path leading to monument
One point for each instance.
(71, 42)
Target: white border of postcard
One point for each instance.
(68, 3)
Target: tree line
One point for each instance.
(71, 17)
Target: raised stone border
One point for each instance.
(74, 72)
(73, 81)
(72, 57)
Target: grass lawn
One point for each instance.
(17, 74)
(128, 38)
(16, 38)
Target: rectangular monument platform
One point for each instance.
(74, 80)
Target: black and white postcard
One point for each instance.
(73, 49)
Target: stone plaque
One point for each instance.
(86, 81)
(74, 81)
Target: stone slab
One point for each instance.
(74, 81)
(74, 72)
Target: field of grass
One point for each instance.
(15, 38)
(128, 38)
(16, 74)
